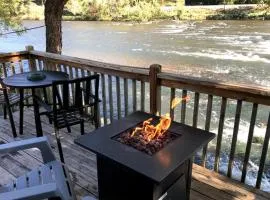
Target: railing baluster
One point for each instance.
(126, 95)
(110, 97)
(72, 87)
(21, 66)
(1, 69)
(183, 107)
(82, 73)
(88, 110)
(220, 132)
(40, 65)
(104, 102)
(58, 68)
(89, 73)
(118, 98)
(207, 125)
(12, 65)
(5, 69)
(134, 94)
(234, 138)
(249, 141)
(264, 154)
(171, 99)
(76, 72)
(64, 68)
(196, 109)
(142, 95)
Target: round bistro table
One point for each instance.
(21, 82)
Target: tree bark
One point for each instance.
(53, 22)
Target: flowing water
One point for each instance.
(232, 51)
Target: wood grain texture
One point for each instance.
(220, 132)
(207, 125)
(126, 96)
(249, 141)
(234, 138)
(134, 95)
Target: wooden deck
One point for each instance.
(206, 185)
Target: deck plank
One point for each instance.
(206, 185)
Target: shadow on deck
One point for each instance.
(206, 185)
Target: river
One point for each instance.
(229, 51)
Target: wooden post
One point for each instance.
(29, 48)
(32, 65)
(155, 89)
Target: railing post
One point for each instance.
(32, 65)
(155, 89)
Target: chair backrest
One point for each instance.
(3, 91)
(85, 93)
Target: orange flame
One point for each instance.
(150, 131)
(178, 100)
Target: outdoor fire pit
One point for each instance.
(138, 160)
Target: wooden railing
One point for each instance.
(125, 89)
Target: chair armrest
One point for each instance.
(40, 142)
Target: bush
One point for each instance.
(124, 10)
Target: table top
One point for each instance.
(21, 80)
(156, 167)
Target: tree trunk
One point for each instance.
(53, 22)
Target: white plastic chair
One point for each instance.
(48, 181)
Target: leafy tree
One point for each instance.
(10, 14)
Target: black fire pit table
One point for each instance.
(126, 173)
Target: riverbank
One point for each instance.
(143, 12)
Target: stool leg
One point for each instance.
(5, 111)
(82, 127)
(10, 114)
(96, 116)
(21, 111)
(60, 150)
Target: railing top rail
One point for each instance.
(96, 66)
(251, 93)
(13, 56)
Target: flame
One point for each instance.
(178, 100)
(150, 131)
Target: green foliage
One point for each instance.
(262, 13)
(124, 10)
(11, 12)
(78, 7)
(33, 12)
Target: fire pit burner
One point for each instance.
(139, 142)
(124, 172)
